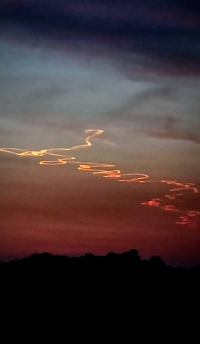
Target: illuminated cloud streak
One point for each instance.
(177, 193)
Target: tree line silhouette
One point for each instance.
(117, 280)
(110, 267)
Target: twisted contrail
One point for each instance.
(176, 194)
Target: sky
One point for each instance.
(100, 128)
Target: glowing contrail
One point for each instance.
(177, 192)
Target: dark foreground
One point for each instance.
(116, 283)
(126, 269)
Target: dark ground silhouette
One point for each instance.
(120, 269)
(115, 284)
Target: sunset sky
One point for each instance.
(130, 69)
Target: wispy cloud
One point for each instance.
(171, 129)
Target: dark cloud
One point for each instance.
(168, 30)
(172, 129)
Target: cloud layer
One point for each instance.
(167, 31)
